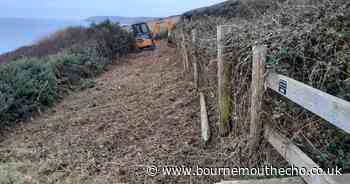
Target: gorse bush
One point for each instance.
(52, 44)
(32, 84)
(26, 86)
(108, 38)
(71, 67)
(112, 40)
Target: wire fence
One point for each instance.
(306, 43)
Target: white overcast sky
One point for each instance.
(81, 9)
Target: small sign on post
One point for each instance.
(282, 87)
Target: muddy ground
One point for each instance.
(142, 112)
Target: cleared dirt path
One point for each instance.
(142, 112)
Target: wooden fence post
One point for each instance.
(184, 50)
(257, 87)
(204, 119)
(194, 56)
(224, 87)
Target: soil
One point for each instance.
(142, 112)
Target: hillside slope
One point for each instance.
(307, 40)
(233, 8)
(144, 112)
(121, 20)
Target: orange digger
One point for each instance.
(147, 38)
(156, 33)
(143, 36)
(161, 27)
(170, 26)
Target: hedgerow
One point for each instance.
(112, 41)
(109, 39)
(32, 84)
(26, 86)
(307, 41)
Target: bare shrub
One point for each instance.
(308, 41)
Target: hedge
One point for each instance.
(33, 84)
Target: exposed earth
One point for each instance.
(142, 112)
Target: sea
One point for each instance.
(18, 32)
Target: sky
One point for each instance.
(81, 9)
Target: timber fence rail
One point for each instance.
(332, 109)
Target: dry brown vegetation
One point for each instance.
(50, 45)
(109, 39)
(32, 84)
(146, 111)
(143, 112)
(306, 40)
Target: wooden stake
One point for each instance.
(224, 88)
(259, 59)
(204, 119)
(195, 73)
(194, 62)
(184, 50)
